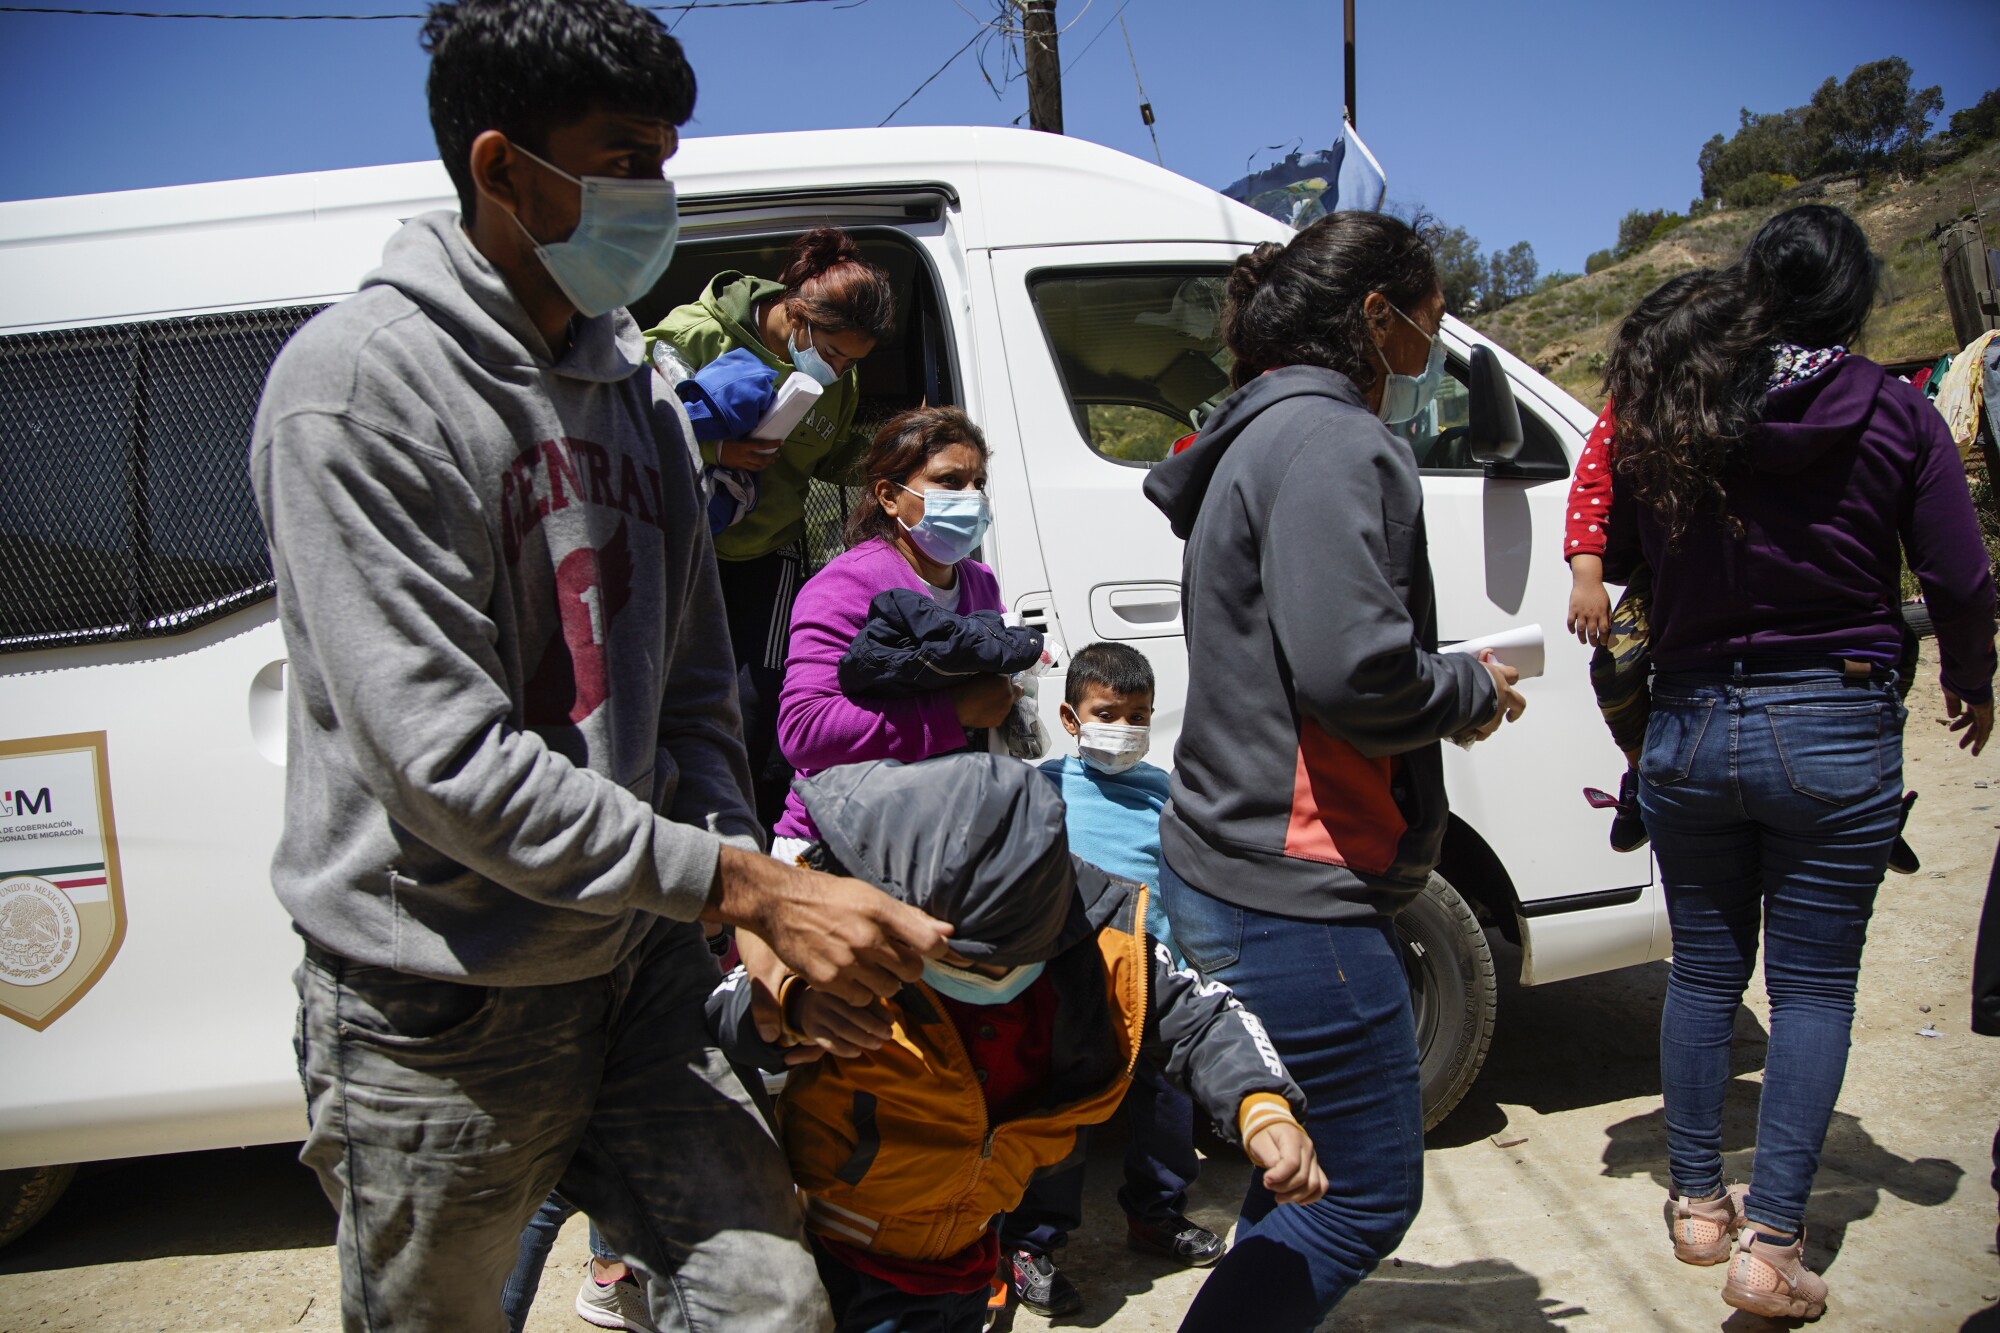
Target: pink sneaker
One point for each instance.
(1704, 1229)
(1773, 1280)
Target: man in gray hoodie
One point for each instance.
(516, 777)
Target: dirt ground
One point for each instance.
(1559, 1229)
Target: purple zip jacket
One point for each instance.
(1848, 470)
(818, 726)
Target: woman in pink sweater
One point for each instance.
(922, 511)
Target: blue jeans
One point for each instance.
(537, 1239)
(440, 1116)
(1336, 1002)
(1772, 794)
(1160, 1163)
(865, 1304)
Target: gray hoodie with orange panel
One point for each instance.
(1307, 781)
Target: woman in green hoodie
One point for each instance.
(823, 315)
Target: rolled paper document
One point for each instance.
(1519, 647)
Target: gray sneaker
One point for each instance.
(620, 1305)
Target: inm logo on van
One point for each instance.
(21, 803)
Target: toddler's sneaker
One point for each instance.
(1772, 1280)
(1038, 1284)
(1628, 829)
(1704, 1229)
(619, 1305)
(1175, 1238)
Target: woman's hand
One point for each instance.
(1512, 703)
(1975, 721)
(1291, 1168)
(747, 455)
(984, 701)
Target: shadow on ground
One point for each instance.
(1854, 1169)
(1486, 1295)
(225, 1202)
(1589, 1041)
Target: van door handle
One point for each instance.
(1136, 610)
(1145, 608)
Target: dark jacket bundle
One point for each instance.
(1308, 780)
(911, 645)
(893, 1150)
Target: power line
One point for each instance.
(933, 75)
(1145, 106)
(1093, 40)
(374, 18)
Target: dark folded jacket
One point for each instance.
(911, 645)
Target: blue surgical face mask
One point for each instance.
(807, 361)
(953, 525)
(623, 242)
(1405, 397)
(970, 988)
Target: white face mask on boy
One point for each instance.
(1112, 747)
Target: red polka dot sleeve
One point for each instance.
(1589, 509)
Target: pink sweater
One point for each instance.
(818, 726)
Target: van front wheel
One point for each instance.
(26, 1194)
(1453, 993)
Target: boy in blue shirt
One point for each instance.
(1113, 800)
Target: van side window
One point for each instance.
(127, 512)
(1139, 351)
(1437, 436)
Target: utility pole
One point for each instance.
(1038, 42)
(1349, 108)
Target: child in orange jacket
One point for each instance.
(937, 1106)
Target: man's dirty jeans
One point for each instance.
(441, 1115)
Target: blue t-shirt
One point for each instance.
(1113, 820)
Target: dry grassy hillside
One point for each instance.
(1564, 330)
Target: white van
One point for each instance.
(1064, 294)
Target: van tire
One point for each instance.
(27, 1194)
(1453, 993)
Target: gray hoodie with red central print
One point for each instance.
(1308, 781)
(513, 741)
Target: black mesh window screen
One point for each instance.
(125, 509)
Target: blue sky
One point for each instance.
(1542, 121)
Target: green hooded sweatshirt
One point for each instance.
(822, 446)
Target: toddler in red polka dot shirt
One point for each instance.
(1621, 664)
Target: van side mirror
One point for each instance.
(1493, 421)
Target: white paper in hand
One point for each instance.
(1520, 648)
(789, 406)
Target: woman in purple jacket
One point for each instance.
(1772, 479)
(921, 513)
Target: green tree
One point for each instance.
(1978, 122)
(1461, 271)
(1635, 229)
(1599, 260)
(1510, 274)
(1874, 117)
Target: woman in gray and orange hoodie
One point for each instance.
(1308, 792)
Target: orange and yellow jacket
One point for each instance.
(893, 1150)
